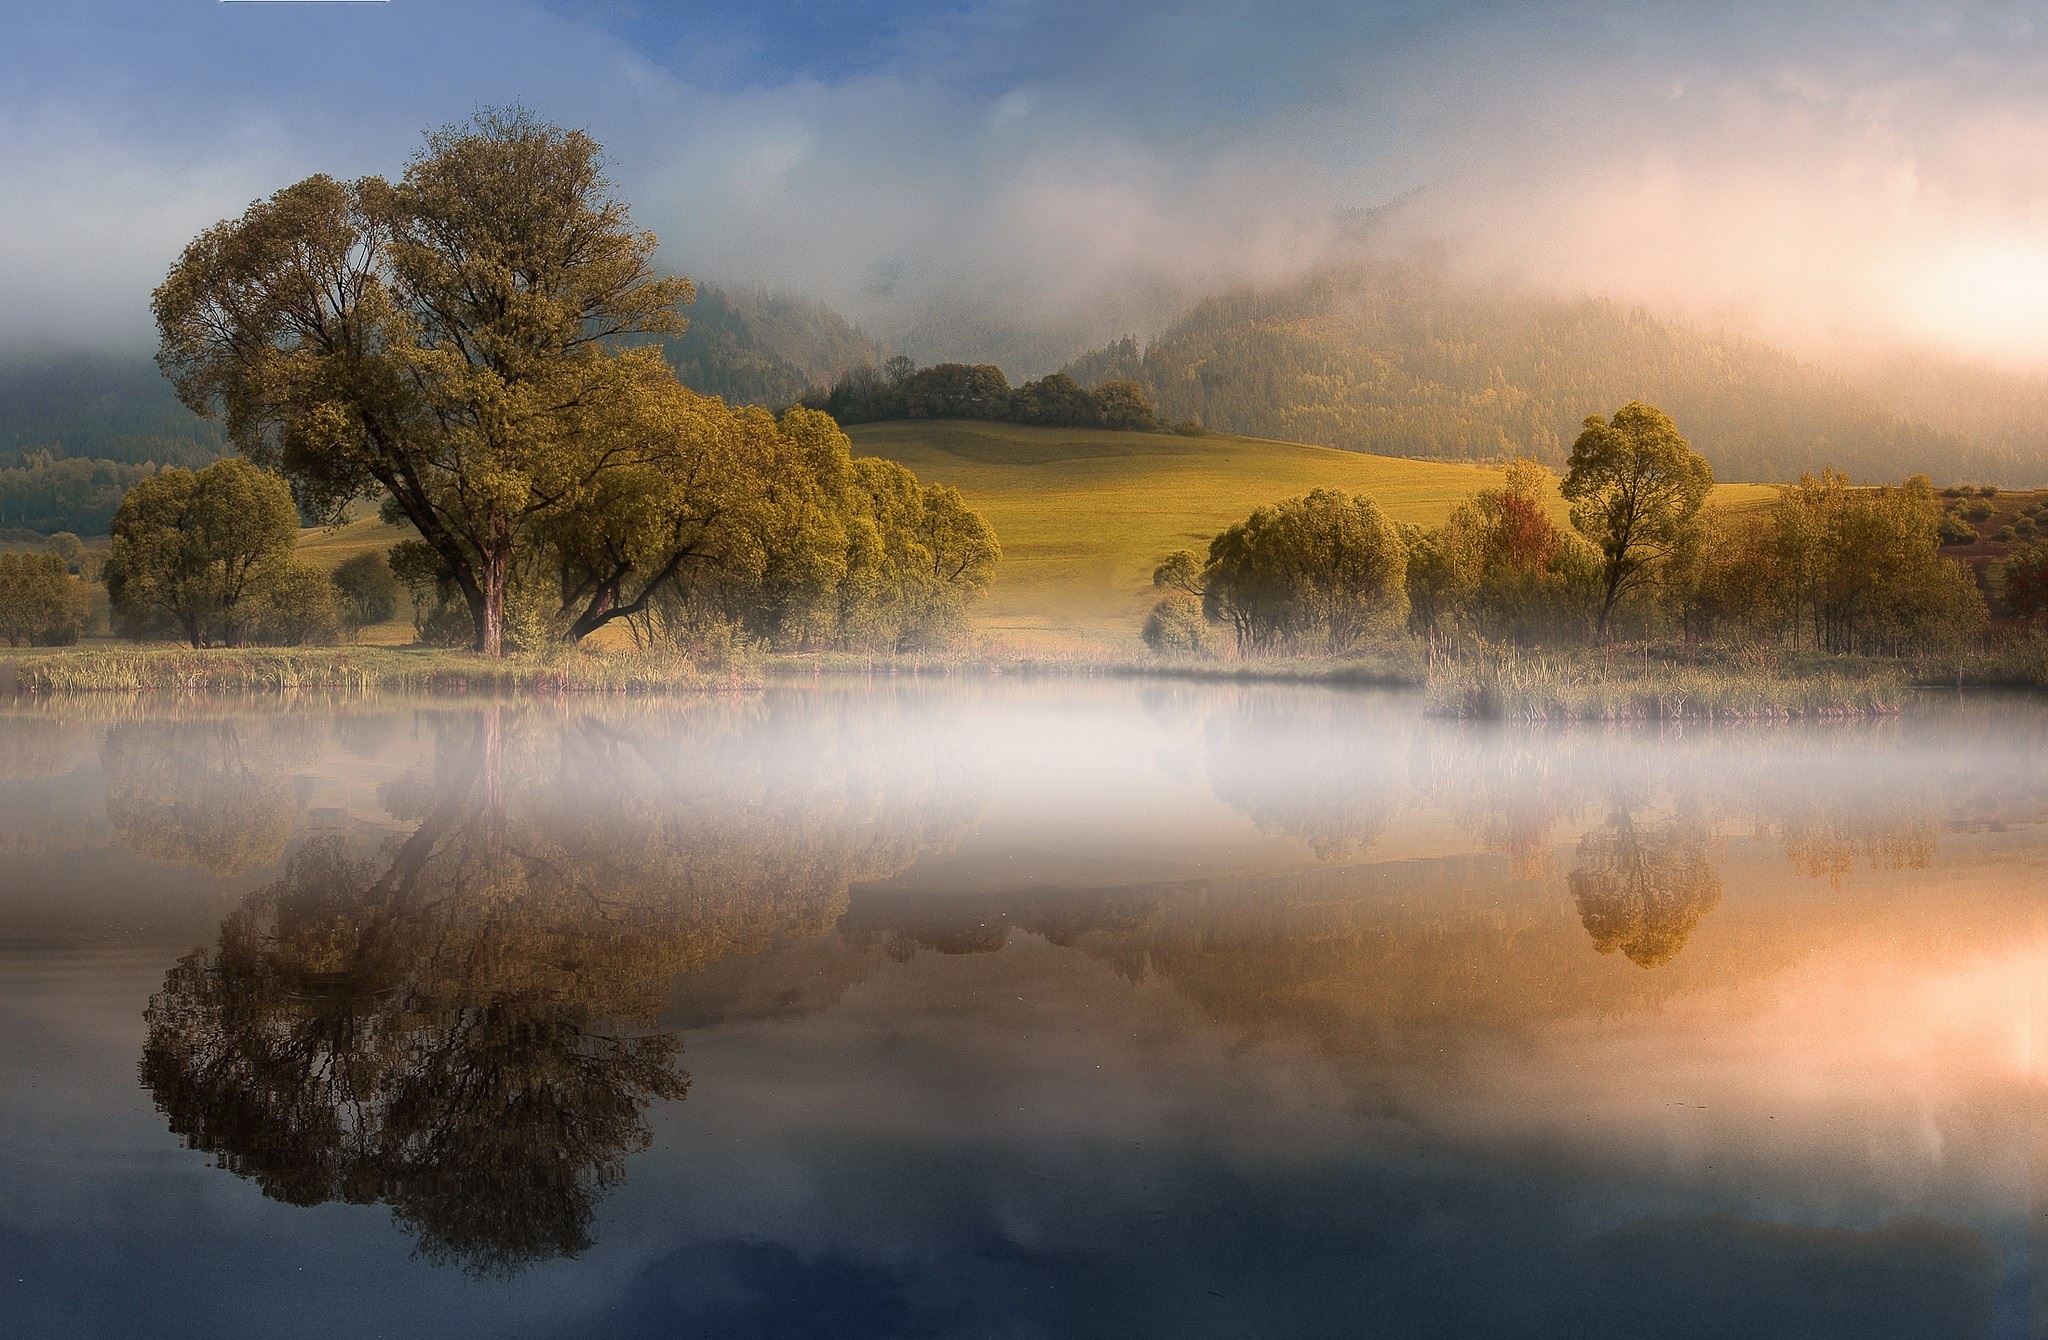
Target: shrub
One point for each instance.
(1175, 627)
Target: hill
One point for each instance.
(1085, 514)
(1402, 361)
(99, 405)
(752, 347)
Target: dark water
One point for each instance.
(1017, 1010)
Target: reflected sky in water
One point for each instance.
(1016, 1009)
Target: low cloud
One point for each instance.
(1828, 178)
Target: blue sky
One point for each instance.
(1808, 171)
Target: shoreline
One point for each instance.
(1535, 688)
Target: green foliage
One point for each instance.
(297, 606)
(367, 590)
(46, 492)
(1400, 360)
(1955, 530)
(41, 603)
(1845, 570)
(1319, 573)
(1636, 490)
(828, 552)
(1176, 627)
(194, 552)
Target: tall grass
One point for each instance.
(1590, 687)
(355, 669)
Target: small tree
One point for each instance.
(68, 547)
(2023, 583)
(1122, 404)
(193, 551)
(40, 602)
(297, 607)
(1327, 569)
(1175, 627)
(1635, 487)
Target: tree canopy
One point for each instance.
(451, 342)
(1322, 572)
(1635, 488)
(196, 551)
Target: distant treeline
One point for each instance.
(1402, 361)
(899, 389)
(45, 492)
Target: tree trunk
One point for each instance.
(488, 605)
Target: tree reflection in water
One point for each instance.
(464, 1026)
(1642, 888)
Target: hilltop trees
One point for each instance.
(902, 390)
(195, 552)
(1635, 488)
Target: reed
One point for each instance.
(1591, 687)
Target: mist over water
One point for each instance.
(929, 1008)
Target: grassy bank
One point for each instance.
(1589, 687)
(118, 669)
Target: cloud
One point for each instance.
(1818, 175)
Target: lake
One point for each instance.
(1017, 1009)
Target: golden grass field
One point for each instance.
(1084, 515)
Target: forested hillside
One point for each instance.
(1398, 360)
(78, 429)
(757, 348)
(97, 405)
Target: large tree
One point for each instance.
(1636, 488)
(458, 342)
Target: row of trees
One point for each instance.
(809, 549)
(1827, 566)
(471, 346)
(45, 492)
(899, 389)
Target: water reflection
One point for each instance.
(1641, 887)
(199, 793)
(462, 1025)
(1067, 1009)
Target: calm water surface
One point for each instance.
(1017, 1010)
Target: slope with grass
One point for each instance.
(1085, 514)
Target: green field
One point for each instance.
(1085, 514)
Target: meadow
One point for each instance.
(1084, 515)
